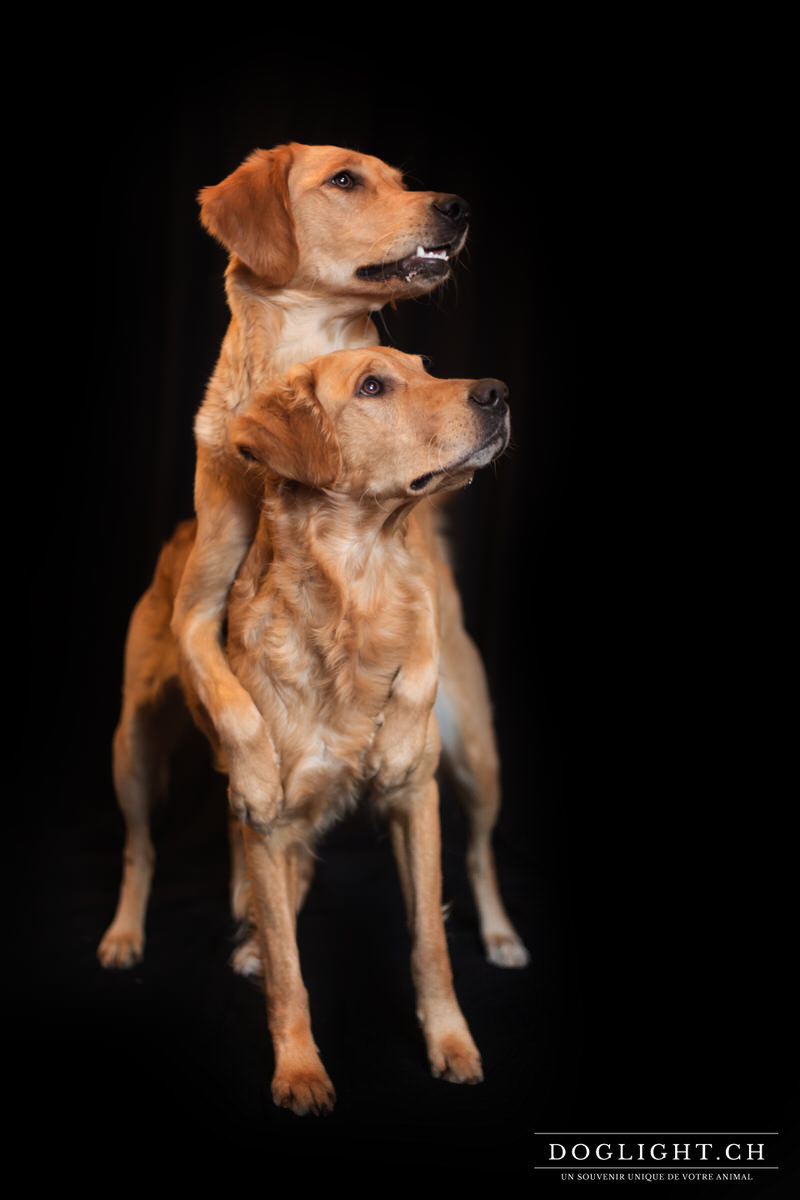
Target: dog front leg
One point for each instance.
(225, 528)
(401, 739)
(416, 841)
(300, 1082)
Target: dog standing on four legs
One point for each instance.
(334, 630)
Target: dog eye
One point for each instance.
(344, 180)
(371, 387)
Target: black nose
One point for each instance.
(488, 393)
(454, 208)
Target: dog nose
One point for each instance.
(488, 393)
(454, 208)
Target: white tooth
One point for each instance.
(423, 253)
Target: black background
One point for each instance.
(611, 566)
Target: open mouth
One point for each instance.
(485, 454)
(425, 263)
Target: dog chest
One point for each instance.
(335, 769)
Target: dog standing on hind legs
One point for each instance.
(318, 238)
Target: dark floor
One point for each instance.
(639, 1008)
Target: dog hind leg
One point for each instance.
(246, 958)
(471, 762)
(143, 741)
(153, 719)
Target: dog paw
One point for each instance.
(246, 959)
(455, 1058)
(304, 1091)
(396, 756)
(257, 808)
(506, 950)
(255, 794)
(121, 948)
(390, 772)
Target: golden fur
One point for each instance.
(318, 238)
(334, 632)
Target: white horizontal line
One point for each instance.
(680, 1133)
(659, 1167)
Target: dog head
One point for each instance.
(334, 220)
(373, 425)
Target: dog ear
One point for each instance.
(249, 213)
(287, 431)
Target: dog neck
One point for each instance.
(272, 329)
(332, 591)
(335, 563)
(326, 542)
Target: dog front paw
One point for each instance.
(454, 1056)
(389, 778)
(405, 746)
(255, 794)
(389, 767)
(257, 813)
(121, 948)
(304, 1087)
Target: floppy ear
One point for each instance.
(287, 431)
(249, 214)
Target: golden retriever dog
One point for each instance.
(334, 631)
(318, 238)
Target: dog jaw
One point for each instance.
(460, 473)
(424, 265)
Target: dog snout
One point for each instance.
(489, 394)
(454, 209)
